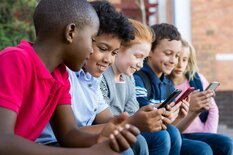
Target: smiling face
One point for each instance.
(105, 48)
(180, 68)
(164, 56)
(130, 59)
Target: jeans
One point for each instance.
(206, 143)
(164, 142)
(139, 148)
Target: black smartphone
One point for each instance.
(213, 86)
(170, 98)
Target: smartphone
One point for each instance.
(170, 98)
(213, 86)
(185, 94)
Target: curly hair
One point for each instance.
(112, 21)
(165, 31)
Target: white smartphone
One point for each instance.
(213, 86)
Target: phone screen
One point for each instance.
(213, 86)
(171, 98)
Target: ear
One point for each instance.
(70, 32)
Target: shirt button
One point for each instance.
(89, 85)
(95, 110)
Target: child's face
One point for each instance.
(180, 68)
(164, 57)
(130, 59)
(79, 52)
(105, 49)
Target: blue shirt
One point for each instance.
(87, 102)
(161, 87)
(87, 98)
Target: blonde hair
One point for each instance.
(142, 33)
(192, 67)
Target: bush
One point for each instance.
(16, 21)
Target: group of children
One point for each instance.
(77, 88)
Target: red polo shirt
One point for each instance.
(30, 90)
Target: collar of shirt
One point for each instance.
(88, 78)
(154, 77)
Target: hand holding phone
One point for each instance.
(171, 98)
(185, 94)
(213, 86)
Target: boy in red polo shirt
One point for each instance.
(34, 86)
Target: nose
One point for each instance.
(139, 65)
(92, 50)
(179, 64)
(108, 59)
(174, 60)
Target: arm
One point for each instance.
(141, 92)
(147, 118)
(199, 101)
(68, 134)
(211, 124)
(13, 144)
(132, 105)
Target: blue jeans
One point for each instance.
(206, 143)
(164, 142)
(139, 148)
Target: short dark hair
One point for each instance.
(112, 21)
(51, 16)
(164, 31)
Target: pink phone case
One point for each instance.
(185, 94)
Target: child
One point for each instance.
(64, 32)
(184, 75)
(161, 61)
(117, 85)
(87, 100)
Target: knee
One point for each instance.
(227, 144)
(162, 139)
(201, 149)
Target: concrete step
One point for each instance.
(223, 129)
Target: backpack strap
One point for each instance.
(146, 81)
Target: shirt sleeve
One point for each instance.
(211, 125)
(65, 96)
(14, 71)
(141, 92)
(132, 104)
(102, 105)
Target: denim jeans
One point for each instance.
(206, 143)
(139, 148)
(164, 142)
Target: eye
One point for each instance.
(114, 52)
(102, 48)
(93, 39)
(168, 52)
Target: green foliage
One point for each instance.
(16, 21)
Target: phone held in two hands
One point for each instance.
(170, 98)
(175, 93)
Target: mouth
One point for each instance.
(178, 71)
(169, 67)
(133, 68)
(102, 68)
